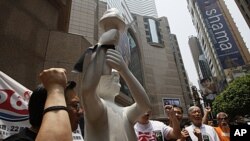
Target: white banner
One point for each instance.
(13, 106)
(14, 115)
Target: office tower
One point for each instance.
(199, 58)
(204, 73)
(85, 15)
(122, 7)
(83, 19)
(219, 38)
(142, 7)
(160, 71)
(181, 70)
(244, 6)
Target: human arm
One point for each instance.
(55, 124)
(142, 103)
(206, 114)
(176, 132)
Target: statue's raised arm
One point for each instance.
(104, 119)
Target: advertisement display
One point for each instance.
(209, 89)
(220, 34)
(171, 101)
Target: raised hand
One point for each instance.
(115, 60)
(169, 109)
(53, 77)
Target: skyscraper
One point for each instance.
(142, 7)
(244, 6)
(164, 76)
(219, 37)
(199, 58)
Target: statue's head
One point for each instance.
(112, 19)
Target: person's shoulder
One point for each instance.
(208, 127)
(157, 123)
(190, 127)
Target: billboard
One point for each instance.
(220, 34)
(209, 88)
(171, 101)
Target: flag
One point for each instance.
(14, 115)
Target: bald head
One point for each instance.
(221, 114)
(222, 119)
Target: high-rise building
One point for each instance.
(219, 38)
(159, 62)
(244, 6)
(142, 7)
(181, 70)
(199, 58)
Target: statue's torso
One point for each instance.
(113, 124)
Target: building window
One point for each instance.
(153, 31)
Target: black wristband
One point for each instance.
(55, 108)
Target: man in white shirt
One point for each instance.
(155, 130)
(199, 131)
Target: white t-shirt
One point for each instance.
(208, 133)
(153, 131)
(77, 134)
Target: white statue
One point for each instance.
(104, 119)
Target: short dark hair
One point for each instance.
(37, 102)
(36, 106)
(70, 86)
(176, 106)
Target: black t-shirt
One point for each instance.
(24, 135)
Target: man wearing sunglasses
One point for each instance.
(223, 130)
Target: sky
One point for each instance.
(181, 25)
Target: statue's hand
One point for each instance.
(115, 60)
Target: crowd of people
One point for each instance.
(55, 110)
(56, 104)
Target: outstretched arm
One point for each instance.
(92, 103)
(176, 132)
(142, 103)
(206, 114)
(55, 124)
